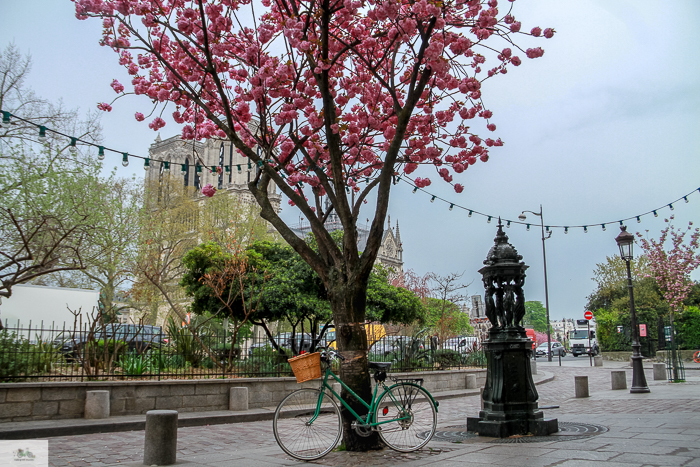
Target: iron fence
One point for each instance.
(138, 352)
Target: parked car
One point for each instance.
(139, 338)
(388, 344)
(462, 344)
(557, 349)
(284, 340)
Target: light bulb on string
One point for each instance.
(166, 166)
(227, 169)
(639, 221)
(42, 134)
(101, 153)
(250, 166)
(488, 221)
(183, 169)
(72, 148)
(451, 206)
(620, 223)
(470, 213)
(508, 225)
(146, 164)
(527, 227)
(6, 117)
(125, 159)
(566, 230)
(239, 168)
(547, 228)
(603, 227)
(671, 206)
(585, 229)
(432, 200)
(656, 214)
(415, 189)
(685, 198)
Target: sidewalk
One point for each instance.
(658, 428)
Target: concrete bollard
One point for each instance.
(618, 379)
(581, 386)
(481, 396)
(659, 371)
(160, 445)
(238, 398)
(96, 404)
(471, 381)
(533, 366)
(598, 360)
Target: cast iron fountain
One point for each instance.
(510, 397)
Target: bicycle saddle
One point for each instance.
(379, 365)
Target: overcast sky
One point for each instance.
(604, 126)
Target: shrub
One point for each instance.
(445, 358)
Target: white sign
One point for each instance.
(25, 453)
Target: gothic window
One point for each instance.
(187, 172)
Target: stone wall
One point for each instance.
(58, 400)
(685, 355)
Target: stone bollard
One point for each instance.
(160, 443)
(96, 404)
(581, 386)
(659, 371)
(598, 360)
(618, 379)
(481, 396)
(533, 366)
(471, 381)
(238, 398)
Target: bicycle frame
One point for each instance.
(370, 407)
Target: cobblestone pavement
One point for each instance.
(660, 428)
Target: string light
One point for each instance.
(639, 221)
(166, 166)
(72, 148)
(125, 159)
(656, 214)
(488, 220)
(101, 153)
(432, 200)
(508, 225)
(239, 168)
(671, 206)
(451, 206)
(685, 198)
(415, 189)
(146, 164)
(528, 227)
(227, 169)
(585, 229)
(183, 169)
(42, 134)
(620, 222)
(6, 117)
(603, 227)
(566, 230)
(470, 213)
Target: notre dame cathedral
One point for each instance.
(197, 164)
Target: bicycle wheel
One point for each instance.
(414, 413)
(294, 431)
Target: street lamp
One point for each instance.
(639, 382)
(522, 217)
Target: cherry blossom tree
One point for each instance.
(330, 99)
(671, 268)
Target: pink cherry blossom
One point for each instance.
(104, 106)
(549, 33)
(208, 190)
(117, 86)
(534, 53)
(458, 188)
(139, 116)
(536, 31)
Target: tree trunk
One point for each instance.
(348, 301)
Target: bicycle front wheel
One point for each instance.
(301, 435)
(409, 417)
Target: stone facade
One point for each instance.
(208, 154)
(59, 400)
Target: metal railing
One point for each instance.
(138, 352)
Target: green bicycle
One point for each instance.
(307, 423)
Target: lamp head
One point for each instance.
(625, 241)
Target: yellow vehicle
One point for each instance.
(374, 333)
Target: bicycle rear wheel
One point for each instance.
(410, 415)
(300, 437)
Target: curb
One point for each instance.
(79, 426)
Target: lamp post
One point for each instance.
(522, 217)
(639, 382)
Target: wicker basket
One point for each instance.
(306, 366)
